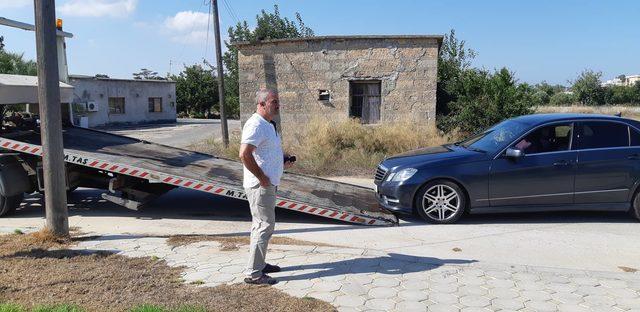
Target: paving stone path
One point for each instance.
(363, 280)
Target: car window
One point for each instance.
(635, 137)
(497, 136)
(601, 134)
(552, 138)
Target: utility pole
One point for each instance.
(223, 116)
(51, 118)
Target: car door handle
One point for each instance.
(633, 157)
(562, 163)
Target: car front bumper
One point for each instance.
(396, 197)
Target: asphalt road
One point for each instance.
(180, 134)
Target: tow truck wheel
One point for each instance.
(441, 202)
(9, 204)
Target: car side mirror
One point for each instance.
(514, 153)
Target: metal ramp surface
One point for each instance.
(178, 167)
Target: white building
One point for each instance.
(106, 101)
(625, 81)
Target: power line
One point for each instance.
(231, 11)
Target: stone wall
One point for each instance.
(297, 69)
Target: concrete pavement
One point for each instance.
(527, 262)
(354, 279)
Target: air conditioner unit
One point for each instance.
(92, 106)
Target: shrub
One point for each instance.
(562, 99)
(486, 98)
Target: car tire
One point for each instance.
(441, 202)
(9, 204)
(635, 206)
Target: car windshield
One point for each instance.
(495, 137)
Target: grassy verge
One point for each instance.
(330, 148)
(10, 307)
(39, 273)
(631, 112)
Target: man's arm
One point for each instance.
(246, 156)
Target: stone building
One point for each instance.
(374, 78)
(103, 101)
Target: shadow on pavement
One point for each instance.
(392, 264)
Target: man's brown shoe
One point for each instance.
(262, 280)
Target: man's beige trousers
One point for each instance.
(262, 202)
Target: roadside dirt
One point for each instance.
(230, 243)
(37, 269)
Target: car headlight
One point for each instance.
(402, 175)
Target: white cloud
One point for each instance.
(14, 4)
(188, 27)
(98, 8)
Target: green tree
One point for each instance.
(619, 95)
(563, 99)
(14, 63)
(196, 91)
(485, 98)
(545, 91)
(147, 74)
(453, 60)
(587, 88)
(269, 25)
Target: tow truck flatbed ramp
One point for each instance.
(182, 168)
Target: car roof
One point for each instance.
(536, 119)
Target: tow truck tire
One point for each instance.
(9, 204)
(13, 183)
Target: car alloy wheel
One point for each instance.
(441, 202)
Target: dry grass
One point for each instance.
(32, 275)
(631, 112)
(229, 243)
(346, 147)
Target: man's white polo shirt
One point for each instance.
(258, 132)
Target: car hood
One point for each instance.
(443, 153)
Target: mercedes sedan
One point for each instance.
(543, 162)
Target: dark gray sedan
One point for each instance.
(542, 162)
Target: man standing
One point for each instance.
(262, 157)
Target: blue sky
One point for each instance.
(538, 40)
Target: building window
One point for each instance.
(155, 105)
(116, 105)
(364, 101)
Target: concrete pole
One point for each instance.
(223, 116)
(51, 118)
